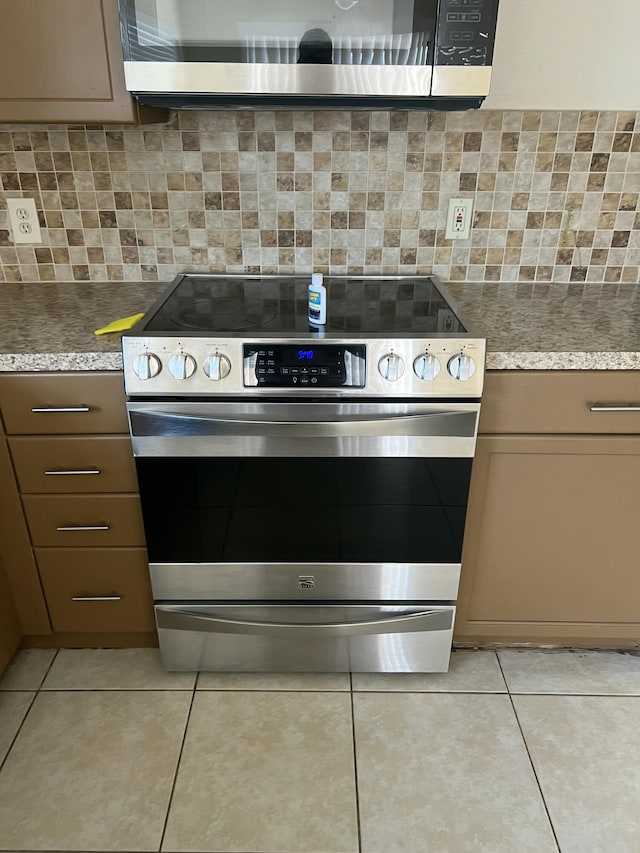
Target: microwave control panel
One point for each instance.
(466, 32)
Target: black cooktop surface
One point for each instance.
(239, 305)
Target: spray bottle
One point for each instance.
(317, 300)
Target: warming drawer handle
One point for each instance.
(599, 407)
(74, 528)
(59, 409)
(62, 472)
(185, 620)
(111, 597)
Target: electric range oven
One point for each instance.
(304, 489)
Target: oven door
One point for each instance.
(295, 484)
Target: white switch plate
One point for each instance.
(459, 217)
(23, 217)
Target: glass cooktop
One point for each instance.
(250, 306)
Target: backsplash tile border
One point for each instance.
(556, 195)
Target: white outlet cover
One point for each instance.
(466, 206)
(23, 217)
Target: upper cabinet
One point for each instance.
(61, 61)
(566, 55)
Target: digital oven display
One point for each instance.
(284, 365)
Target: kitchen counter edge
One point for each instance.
(49, 326)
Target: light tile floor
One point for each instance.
(517, 751)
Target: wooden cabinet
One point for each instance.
(573, 55)
(15, 548)
(552, 537)
(82, 532)
(61, 61)
(10, 628)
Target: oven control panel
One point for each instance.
(443, 366)
(308, 365)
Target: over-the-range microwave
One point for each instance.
(375, 54)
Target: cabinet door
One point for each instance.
(63, 403)
(16, 554)
(61, 61)
(552, 540)
(10, 633)
(568, 55)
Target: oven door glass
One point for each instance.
(304, 510)
(281, 32)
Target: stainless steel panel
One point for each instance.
(328, 638)
(444, 347)
(305, 581)
(299, 429)
(230, 78)
(255, 446)
(457, 81)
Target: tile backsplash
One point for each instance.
(555, 194)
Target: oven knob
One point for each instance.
(146, 365)
(217, 367)
(391, 366)
(461, 367)
(426, 367)
(182, 365)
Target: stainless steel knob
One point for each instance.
(461, 367)
(391, 367)
(182, 365)
(426, 367)
(217, 367)
(146, 365)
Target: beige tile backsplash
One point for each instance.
(556, 195)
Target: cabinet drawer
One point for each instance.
(84, 520)
(101, 589)
(66, 403)
(561, 402)
(74, 464)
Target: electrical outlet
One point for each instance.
(459, 219)
(23, 217)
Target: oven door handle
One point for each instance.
(180, 619)
(458, 423)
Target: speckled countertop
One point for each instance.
(50, 326)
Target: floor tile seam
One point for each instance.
(355, 764)
(175, 772)
(531, 763)
(268, 690)
(46, 674)
(575, 694)
(406, 692)
(22, 722)
(116, 690)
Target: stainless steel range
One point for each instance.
(304, 488)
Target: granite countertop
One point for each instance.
(49, 326)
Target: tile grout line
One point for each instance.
(17, 734)
(355, 763)
(44, 677)
(526, 746)
(175, 775)
(28, 711)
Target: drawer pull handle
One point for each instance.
(60, 472)
(81, 527)
(112, 597)
(599, 407)
(53, 409)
